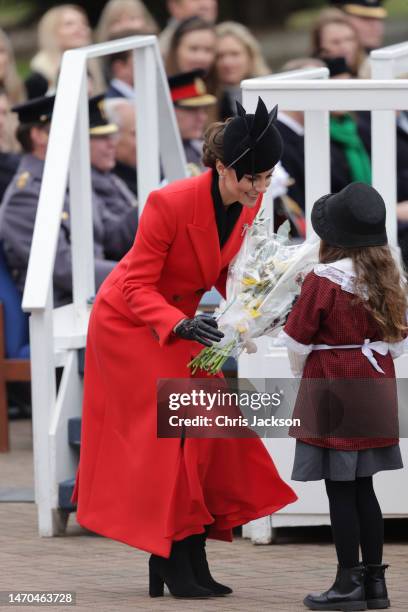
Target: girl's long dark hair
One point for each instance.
(378, 276)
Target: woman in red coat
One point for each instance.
(165, 495)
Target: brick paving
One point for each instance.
(109, 576)
(16, 467)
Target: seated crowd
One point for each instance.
(205, 62)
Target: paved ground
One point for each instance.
(16, 467)
(109, 576)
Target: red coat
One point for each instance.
(132, 486)
(326, 314)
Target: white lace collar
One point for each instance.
(340, 272)
(345, 265)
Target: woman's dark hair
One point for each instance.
(213, 147)
(23, 135)
(378, 276)
(193, 24)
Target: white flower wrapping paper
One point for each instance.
(263, 282)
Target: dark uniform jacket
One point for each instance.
(364, 126)
(364, 119)
(128, 174)
(17, 218)
(293, 160)
(402, 158)
(193, 150)
(117, 208)
(112, 92)
(8, 167)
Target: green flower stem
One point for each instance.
(212, 358)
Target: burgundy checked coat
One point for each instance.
(327, 314)
(132, 486)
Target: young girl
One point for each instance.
(349, 323)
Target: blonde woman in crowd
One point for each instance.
(10, 82)
(61, 28)
(124, 15)
(238, 56)
(334, 36)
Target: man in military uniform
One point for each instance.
(122, 113)
(191, 103)
(367, 17)
(115, 202)
(113, 234)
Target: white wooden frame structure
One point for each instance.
(316, 96)
(56, 334)
(290, 75)
(389, 62)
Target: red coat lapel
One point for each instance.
(203, 231)
(204, 235)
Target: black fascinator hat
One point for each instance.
(252, 142)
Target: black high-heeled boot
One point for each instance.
(347, 592)
(200, 566)
(376, 588)
(177, 573)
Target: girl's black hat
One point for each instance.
(252, 143)
(354, 217)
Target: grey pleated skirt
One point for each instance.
(317, 463)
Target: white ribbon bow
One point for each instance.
(367, 349)
(379, 347)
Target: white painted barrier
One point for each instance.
(55, 334)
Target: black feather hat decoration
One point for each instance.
(252, 142)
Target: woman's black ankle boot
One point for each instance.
(200, 566)
(347, 592)
(376, 588)
(176, 572)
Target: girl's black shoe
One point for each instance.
(376, 588)
(176, 572)
(200, 566)
(347, 592)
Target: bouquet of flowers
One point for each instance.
(263, 282)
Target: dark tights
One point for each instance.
(356, 520)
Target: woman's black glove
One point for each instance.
(201, 328)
